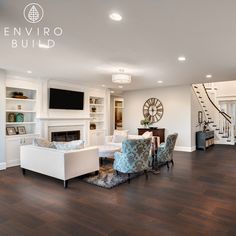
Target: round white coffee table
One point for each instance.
(107, 151)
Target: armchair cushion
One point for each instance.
(147, 134)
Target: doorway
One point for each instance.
(118, 113)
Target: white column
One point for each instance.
(2, 119)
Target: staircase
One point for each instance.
(218, 120)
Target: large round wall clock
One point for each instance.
(153, 110)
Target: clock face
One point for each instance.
(153, 110)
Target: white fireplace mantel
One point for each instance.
(63, 118)
(49, 124)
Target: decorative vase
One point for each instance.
(94, 109)
(19, 117)
(11, 117)
(92, 126)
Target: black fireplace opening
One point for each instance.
(65, 136)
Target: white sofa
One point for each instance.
(63, 165)
(108, 140)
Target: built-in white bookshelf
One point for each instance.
(96, 108)
(21, 110)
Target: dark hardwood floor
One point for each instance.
(196, 197)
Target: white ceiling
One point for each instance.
(145, 44)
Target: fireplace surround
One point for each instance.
(65, 136)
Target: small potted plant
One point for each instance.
(145, 122)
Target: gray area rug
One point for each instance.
(107, 177)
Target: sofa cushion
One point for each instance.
(41, 142)
(73, 145)
(119, 136)
(147, 134)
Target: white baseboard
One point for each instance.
(3, 166)
(223, 142)
(13, 163)
(185, 149)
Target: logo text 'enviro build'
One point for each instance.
(33, 37)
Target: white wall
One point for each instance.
(195, 107)
(177, 112)
(226, 89)
(2, 119)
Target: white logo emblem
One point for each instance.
(33, 13)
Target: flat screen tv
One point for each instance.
(66, 99)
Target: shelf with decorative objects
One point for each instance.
(20, 111)
(97, 122)
(96, 106)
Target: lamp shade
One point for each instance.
(121, 78)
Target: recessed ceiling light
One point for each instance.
(181, 58)
(159, 81)
(45, 46)
(208, 76)
(29, 71)
(120, 86)
(103, 85)
(115, 16)
(112, 91)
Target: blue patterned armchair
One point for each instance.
(165, 151)
(134, 157)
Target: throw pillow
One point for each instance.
(119, 136)
(147, 134)
(73, 145)
(41, 142)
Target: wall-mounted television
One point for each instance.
(66, 99)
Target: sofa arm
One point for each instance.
(108, 139)
(81, 162)
(46, 161)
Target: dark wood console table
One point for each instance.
(155, 132)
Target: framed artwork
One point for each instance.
(21, 130)
(200, 117)
(11, 131)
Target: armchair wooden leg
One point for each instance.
(167, 163)
(172, 162)
(146, 174)
(129, 178)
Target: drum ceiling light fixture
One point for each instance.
(121, 78)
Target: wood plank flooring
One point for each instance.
(196, 197)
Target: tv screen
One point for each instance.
(66, 99)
